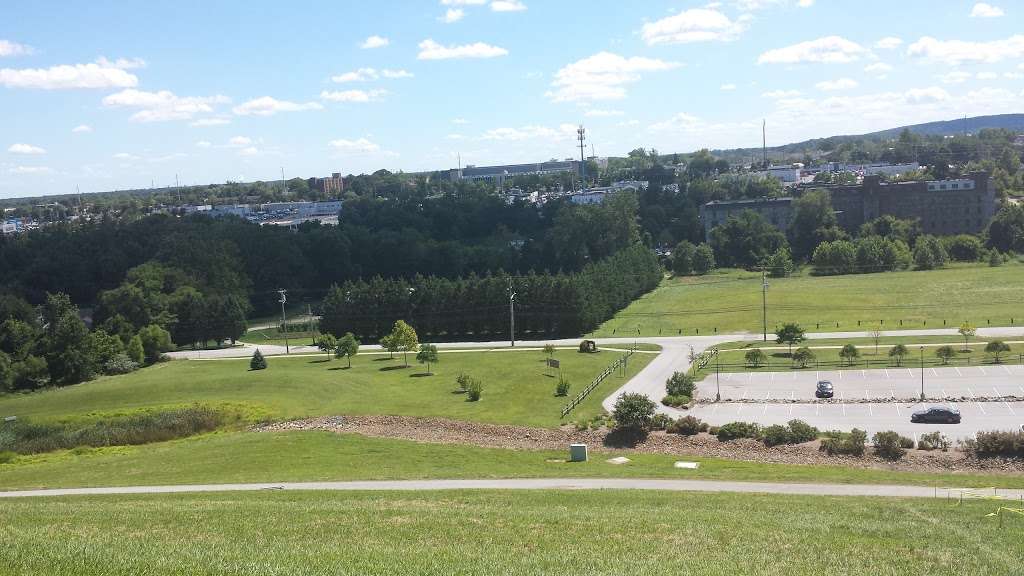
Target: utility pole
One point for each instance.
(511, 313)
(581, 136)
(764, 143)
(764, 304)
(718, 386)
(284, 319)
(309, 323)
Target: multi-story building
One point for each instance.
(333, 185)
(943, 207)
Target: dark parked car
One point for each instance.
(937, 414)
(823, 390)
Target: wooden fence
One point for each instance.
(595, 383)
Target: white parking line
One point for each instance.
(944, 393)
(996, 391)
(790, 409)
(892, 393)
(768, 395)
(1007, 368)
(958, 373)
(934, 373)
(983, 370)
(817, 408)
(1021, 390)
(870, 411)
(867, 395)
(898, 410)
(909, 373)
(863, 375)
(765, 411)
(886, 372)
(980, 407)
(1010, 408)
(744, 397)
(740, 409)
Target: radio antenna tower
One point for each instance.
(581, 135)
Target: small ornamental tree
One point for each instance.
(967, 331)
(755, 357)
(997, 348)
(680, 384)
(549, 350)
(388, 343)
(803, 356)
(633, 412)
(135, 351)
(703, 259)
(427, 355)
(945, 353)
(790, 334)
(327, 343)
(348, 346)
(849, 354)
(898, 353)
(876, 335)
(404, 339)
(258, 362)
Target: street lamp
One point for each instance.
(718, 386)
(922, 373)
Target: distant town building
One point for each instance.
(597, 194)
(333, 185)
(511, 170)
(944, 207)
(784, 174)
(242, 210)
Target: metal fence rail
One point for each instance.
(863, 363)
(595, 383)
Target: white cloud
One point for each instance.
(369, 74)
(777, 94)
(954, 77)
(359, 146)
(8, 48)
(81, 128)
(838, 84)
(126, 157)
(954, 52)
(163, 105)
(888, 43)
(249, 151)
(695, 25)
(987, 76)
(353, 95)
(1013, 75)
(828, 50)
(29, 170)
(984, 10)
(727, 87)
(463, 2)
(805, 3)
(628, 123)
(25, 149)
(121, 63)
(681, 121)
(878, 68)
(598, 113)
(202, 122)
(925, 95)
(239, 141)
(67, 77)
(203, 144)
(452, 15)
(603, 76)
(374, 42)
(268, 106)
(507, 6)
(460, 121)
(430, 50)
(563, 132)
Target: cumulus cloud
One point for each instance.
(122, 63)
(955, 52)
(507, 6)
(888, 43)
(984, 10)
(563, 132)
(163, 105)
(353, 95)
(25, 170)
(204, 144)
(358, 146)
(827, 50)
(374, 42)
(727, 87)
(430, 50)
(835, 85)
(599, 113)
(880, 69)
(68, 77)
(82, 128)
(452, 15)
(694, 25)
(8, 48)
(25, 149)
(460, 121)
(776, 94)
(603, 76)
(268, 106)
(369, 74)
(203, 122)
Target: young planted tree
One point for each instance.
(876, 335)
(755, 357)
(258, 362)
(996, 349)
(898, 353)
(427, 355)
(803, 356)
(404, 340)
(135, 350)
(388, 343)
(634, 412)
(327, 343)
(967, 331)
(849, 354)
(549, 350)
(348, 346)
(945, 353)
(790, 334)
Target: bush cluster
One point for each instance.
(120, 364)
(680, 384)
(562, 388)
(633, 412)
(851, 444)
(933, 441)
(474, 390)
(795, 432)
(676, 401)
(661, 421)
(996, 443)
(735, 430)
(687, 426)
(890, 445)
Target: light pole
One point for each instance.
(718, 386)
(511, 313)
(764, 304)
(284, 319)
(922, 373)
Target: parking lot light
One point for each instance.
(922, 373)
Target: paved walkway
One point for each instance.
(889, 491)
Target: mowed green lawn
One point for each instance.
(513, 532)
(730, 301)
(305, 456)
(518, 388)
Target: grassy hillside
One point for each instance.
(730, 301)
(518, 389)
(487, 532)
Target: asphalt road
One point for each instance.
(889, 491)
(949, 382)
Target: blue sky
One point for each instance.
(110, 95)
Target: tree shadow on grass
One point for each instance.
(340, 368)
(421, 374)
(389, 368)
(389, 359)
(320, 361)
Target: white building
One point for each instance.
(784, 174)
(592, 196)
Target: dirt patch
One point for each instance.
(441, 431)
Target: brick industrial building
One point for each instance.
(958, 206)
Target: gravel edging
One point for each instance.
(442, 431)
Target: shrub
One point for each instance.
(755, 357)
(898, 353)
(933, 441)
(688, 426)
(803, 356)
(680, 384)
(703, 259)
(775, 434)
(633, 412)
(713, 430)
(676, 401)
(661, 421)
(997, 348)
(562, 388)
(588, 346)
(474, 390)
(996, 443)
(849, 353)
(120, 364)
(995, 259)
(890, 445)
(258, 362)
(734, 430)
(945, 353)
(795, 432)
(6, 457)
(851, 444)
(801, 431)
(463, 381)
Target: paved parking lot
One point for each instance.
(873, 417)
(967, 382)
